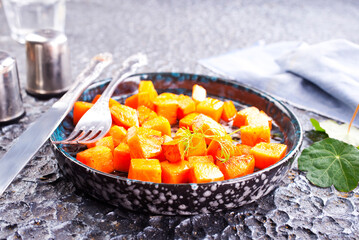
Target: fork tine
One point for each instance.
(93, 132)
(75, 134)
(95, 137)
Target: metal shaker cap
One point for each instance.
(48, 63)
(11, 105)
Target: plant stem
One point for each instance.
(351, 122)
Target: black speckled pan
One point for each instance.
(184, 199)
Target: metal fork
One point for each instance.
(97, 121)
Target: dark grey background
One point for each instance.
(41, 204)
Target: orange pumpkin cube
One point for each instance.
(186, 105)
(122, 157)
(262, 120)
(243, 149)
(118, 134)
(144, 142)
(229, 111)
(177, 172)
(132, 101)
(206, 158)
(194, 143)
(148, 170)
(221, 148)
(242, 116)
(252, 116)
(98, 157)
(187, 121)
(211, 107)
(105, 141)
(204, 172)
(208, 126)
(196, 146)
(124, 116)
(251, 135)
(199, 93)
(267, 154)
(236, 166)
(146, 86)
(146, 94)
(160, 124)
(174, 151)
(166, 105)
(144, 114)
(80, 108)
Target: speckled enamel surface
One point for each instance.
(184, 199)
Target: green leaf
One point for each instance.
(316, 125)
(331, 162)
(340, 132)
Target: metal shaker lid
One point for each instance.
(11, 105)
(48, 63)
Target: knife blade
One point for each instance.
(30, 141)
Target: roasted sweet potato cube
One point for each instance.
(194, 143)
(146, 94)
(243, 149)
(105, 141)
(80, 108)
(98, 157)
(267, 154)
(165, 138)
(144, 142)
(148, 170)
(146, 86)
(144, 114)
(196, 146)
(199, 93)
(253, 117)
(204, 172)
(208, 126)
(186, 105)
(236, 166)
(160, 124)
(180, 134)
(166, 106)
(111, 101)
(241, 118)
(122, 157)
(174, 151)
(177, 172)
(187, 121)
(251, 135)
(263, 119)
(211, 107)
(124, 116)
(222, 148)
(229, 111)
(118, 134)
(206, 158)
(146, 99)
(132, 101)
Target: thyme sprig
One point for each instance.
(225, 141)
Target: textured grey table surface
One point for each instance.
(41, 204)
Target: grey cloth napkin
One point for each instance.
(322, 78)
